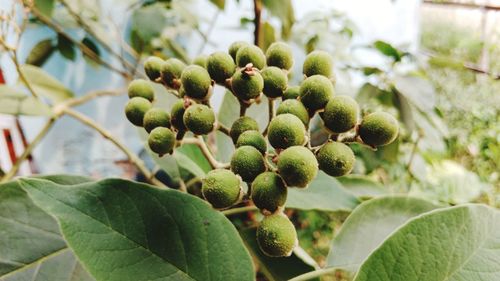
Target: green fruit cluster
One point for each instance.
(269, 160)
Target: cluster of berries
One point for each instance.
(248, 73)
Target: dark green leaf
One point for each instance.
(15, 102)
(219, 3)
(41, 52)
(388, 50)
(46, 85)
(66, 48)
(91, 45)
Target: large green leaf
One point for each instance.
(46, 85)
(324, 193)
(454, 244)
(121, 230)
(15, 102)
(362, 186)
(368, 226)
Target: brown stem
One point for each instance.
(257, 34)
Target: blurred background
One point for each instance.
(434, 64)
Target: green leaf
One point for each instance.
(367, 70)
(275, 269)
(368, 226)
(66, 48)
(32, 247)
(282, 9)
(46, 7)
(148, 22)
(388, 50)
(452, 244)
(93, 47)
(417, 90)
(45, 85)
(15, 102)
(219, 3)
(40, 53)
(193, 152)
(225, 146)
(121, 230)
(269, 35)
(362, 186)
(324, 193)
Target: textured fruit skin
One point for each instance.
(280, 55)
(245, 86)
(141, 88)
(275, 81)
(336, 159)
(269, 191)
(298, 166)
(156, 117)
(318, 63)
(196, 82)
(152, 67)
(247, 162)
(220, 66)
(235, 47)
(291, 93)
(315, 92)
(135, 110)
(286, 130)
(221, 188)
(250, 54)
(199, 119)
(201, 60)
(171, 70)
(177, 115)
(161, 140)
(252, 138)
(296, 108)
(276, 236)
(341, 114)
(242, 124)
(378, 128)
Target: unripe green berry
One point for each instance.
(152, 67)
(280, 55)
(269, 191)
(296, 108)
(141, 88)
(276, 236)
(336, 159)
(250, 54)
(286, 130)
(298, 166)
(156, 117)
(247, 162)
(242, 124)
(177, 115)
(221, 188)
(196, 82)
(378, 128)
(247, 86)
(315, 92)
(341, 114)
(318, 63)
(161, 140)
(171, 71)
(291, 93)
(275, 81)
(135, 110)
(220, 66)
(201, 60)
(252, 138)
(235, 47)
(199, 119)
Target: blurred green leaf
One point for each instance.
(219, 3)
(15, 102)
(388, 50)
(46, 7)
(417, 90)
(269, 35)
(91, 45)
(362, 186)
(148, 22)
(45, 85)
(66, 48)
(442, 61)
(282, 9)
(368, 70)
(311, 43)
(40, 53)
(227, 116)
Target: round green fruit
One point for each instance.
(298, 166)
(275, 81)
(152, 67)
(199, 119)
(280, 55)
(269, 191)
(341, 114)
(220, 66)
(296, 108)
(276, 236)
(247, 86)
(315, 92)
(135, 110)
(235, 47)
(378, 128)
(141, 88)
(242, 124)
(291, 93)
(336, 159)
(201, 60)
(177, 115)
(221, 188)
(247, 162)
(171, 71)
(250, 54)
(161, 140)
(196, 82)
(286, 130)
(156, 117)
(252, 138)
(318, 63)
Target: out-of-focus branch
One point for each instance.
(257, 21)
(463, 5)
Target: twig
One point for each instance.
(209, 31)
(22, 76)
(257, 34)
(239, 210)
(223, 129)
(93, 95)
(206, 152)
(314, 274)
(272, 113)
(462, 5)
